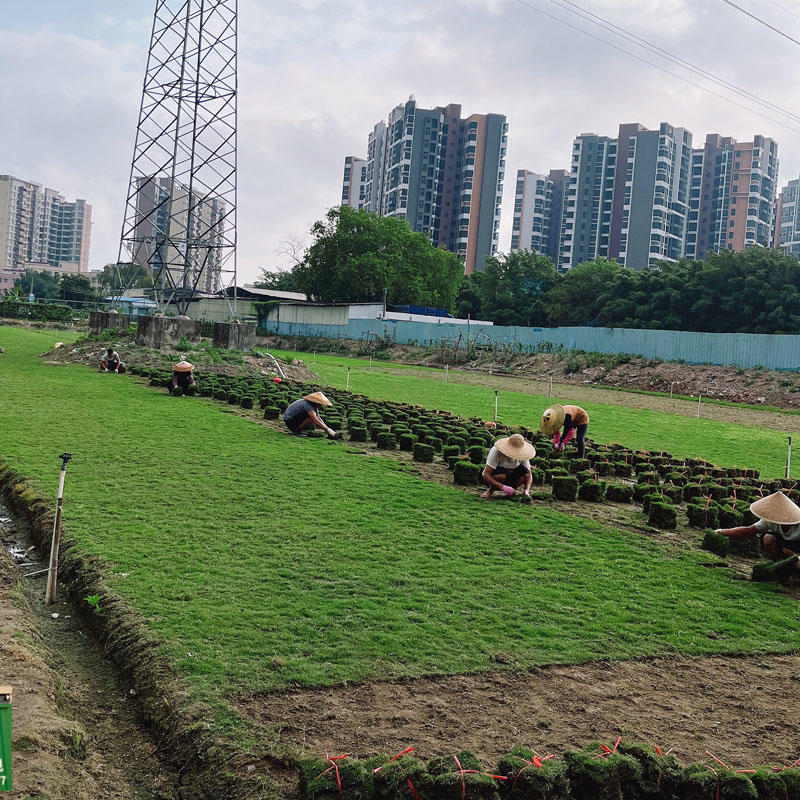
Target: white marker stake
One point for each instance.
(550, 392)
(370, 363)
(52, 570)
(495, 405)
(348, 379)
(789, 456)
(699, 400)
(446, 369)
(315, 358)
(670, 389)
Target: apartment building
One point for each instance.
(732, 199)
(538, 203)
(40, 230)
(354, 181)
(441, 172)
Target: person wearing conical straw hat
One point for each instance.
(778, 526)
(508, 465)
(183, 374)
(575, 421)
(303, 414)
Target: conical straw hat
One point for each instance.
(515, 446)
(183, 366)
(777, 508)
(552, 419)
(318, 398)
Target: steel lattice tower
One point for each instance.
(180, 212)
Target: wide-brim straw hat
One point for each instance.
(552, 419)
(318, 398)
(183, 366)
(777, 508)
(515, 446)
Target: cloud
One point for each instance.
(316, 75)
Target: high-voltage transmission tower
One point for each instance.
(180, 213)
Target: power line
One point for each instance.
(656, 66)
(623, 33)
(762, 22)
(785, 8)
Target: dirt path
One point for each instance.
(739, 708)
(774, 420)
(75, 731)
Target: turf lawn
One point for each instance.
(262, 560)
(722, 443)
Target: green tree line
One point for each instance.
(355, 255)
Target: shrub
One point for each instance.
(717, 543)
(663, 515)
(548, 782)
(386, 441)
(700, 516)
(609, 778)
(407, 442)
(423, 453)
(271, 412)
(565, 487)
(465, 473)
(358, 434)
(592, 491)
(619, 494)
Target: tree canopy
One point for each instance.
(39, 283)
(355, 255)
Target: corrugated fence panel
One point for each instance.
(743, 349)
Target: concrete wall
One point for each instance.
(218, 310)
(157, 332)
(234, 335)
(743, 349)
(101, 320)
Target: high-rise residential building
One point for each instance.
(40, 230)
(158, 248)
(588, 200)
(442, 173)
(787, 219)
(627, 198)
(538, 203)
(732, 195)
(354, 181)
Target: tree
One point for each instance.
(42, 285)
(578, 297)
(357, 254)
(513, 288)
(468, 300)
(115, 278)
(280, 280)
(77, 289)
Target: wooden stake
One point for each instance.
(52, 570)
(550, 391)
(699, 400)
(495, 405)
(789, 456)
(446, 369)
(348, 379)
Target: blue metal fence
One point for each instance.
(743, 349)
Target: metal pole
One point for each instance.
(550, 391)
(495, 405)
(348, 380)
(699, 400)
(52, 571)
(789, 456)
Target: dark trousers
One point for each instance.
(580, 435)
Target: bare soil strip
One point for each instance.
(742, 709)
(76, 734)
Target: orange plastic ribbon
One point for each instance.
(335, 767)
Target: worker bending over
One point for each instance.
(508, 465)
(778, 526)
(575, 421)
(303, 414)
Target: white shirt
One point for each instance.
(791, 533)
(496, 459)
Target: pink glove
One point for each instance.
(556, 438)
(568, 437)
(508, 491)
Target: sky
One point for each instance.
(316, 75)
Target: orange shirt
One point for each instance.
(579, 416)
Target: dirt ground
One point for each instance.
(75, 730)
(757, 386)
(741, 709)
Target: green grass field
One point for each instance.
(262, 560)
(720, 442)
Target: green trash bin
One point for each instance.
(5, 738)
